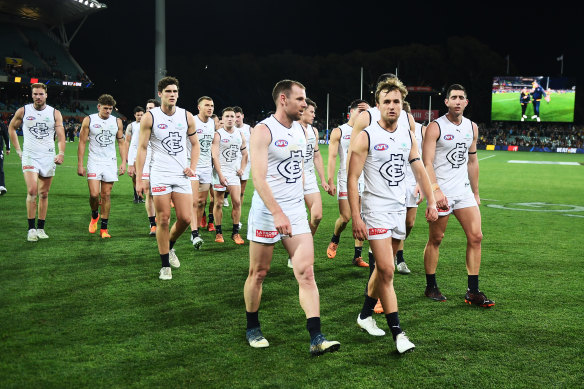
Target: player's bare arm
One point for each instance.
(131, 168)
(473, 164)
(145, 132)
(333, 150)
(423, 181)
(16, 123)
(121, 146)
(319, 164)
(428, 155)
(362, 122)
(244, 155)
(195, 145)
(83, 136)
(259, 143)
(216, 161)
(61, 140)
(356, 163)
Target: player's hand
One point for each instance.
(332, 188)
(441, 200)
(19, 152)
(140, 187)
(131, 170)
(431, 213)
(362, 107)
(223, 181)
(59, 158)
(359, 229)
(326, 187)
(282, 224)
(122, 169)
(418, 193)
(239, 173)
(189, 172)
(81, 171)
(477, 198)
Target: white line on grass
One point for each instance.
(544, 162)
(490, 156)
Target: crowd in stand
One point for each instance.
(550, 135)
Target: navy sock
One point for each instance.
(358, 251)
(31, 224)
(211, 218)
(368, 306)
(235, 229)
(431, 281)
(218, 229)
(473, 283)
(164, 260)
(41, 224)
(104, 224)
(152, 220)
(393, 323)
(94, 214)
(171, 245)
(252, 320)
(194, 233)
(336, 239)
(400, 256)
(135, 194)
(313, 327)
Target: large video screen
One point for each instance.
(533, 99)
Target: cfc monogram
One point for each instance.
(40, 130)
(393, 170)
(173, 143)
(230, 154)
(457, 156)
(104, 138)
(290, 168)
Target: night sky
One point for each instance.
(119, 40)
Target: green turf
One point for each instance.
(506, 106)
(77, 311)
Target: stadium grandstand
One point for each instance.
(35, 36)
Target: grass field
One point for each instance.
(78, 311)
(506, 106)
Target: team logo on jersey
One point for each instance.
(393, 170)
(266, 234)
(381, 147)
(457, 156)
(30, 118)
(162, 126)
(448, 137)
(230, 154)
(309, 152)
(40, 130)
(205, 143)
(104, 138)
(173, 143)
(281, 143)
(377, 231)
(291, 168)
(347, 137)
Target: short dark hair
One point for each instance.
(406, 107)
(237, 109)
(355, 103)
(310, 102)
(214, 116)
(106, 99)
(203, 98)
(284, 86)
(384, 77)
(139, 109)
(153, 101)
(166, 81)
(455, 87)
(226, 109)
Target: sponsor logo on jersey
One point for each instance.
(393, 170)
(218, 186)
(291, 168)
(30, 118)
(347, 137)
(281, 143)
(199, 130)
(28, 167)
(381, 147)
(225, 140)
(448, 137)
(96, 126)
(158, 189)
(343, 194)
(266, 234)
(377, 231)
(162, 126)
(91, 175)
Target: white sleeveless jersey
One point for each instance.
(344, 147)
(205, 133)
(402, 120)
(230, 150)
(451, 158)
(246, 132)
(102, 138)
(310, 147)
(285, 158)
(38, 128)
(410, 178)
(169, 143)
(135, 138)
(384, 170)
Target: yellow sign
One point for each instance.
(490, 147)
(13, 61)
(17, 79)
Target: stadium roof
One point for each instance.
(51, 12)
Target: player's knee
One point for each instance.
(436, 239)
(475, 238)
(316, 218)
(44, 194)
(94, 197)
(236, 202)
(344, 219)
(306, 275)
(163, 220)
(385, 272)
(258, 275)
(31, 198)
